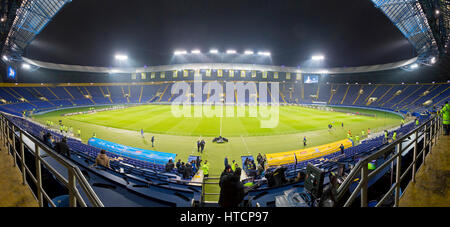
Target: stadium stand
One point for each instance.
(396, 97)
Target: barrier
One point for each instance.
(291, 157)
(155, 157)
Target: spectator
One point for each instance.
(226, 161)
(205, 168)
(198, 162)
(62, 148)
(446, 118)
(259, 158)
(202, 145)
(187, 171)
(178, 164)
(194, 167)
(342, 148)
(48, 140)
(231, 188)
(260, 170)
(277, 177)
(103, 160)
(233, 165)
(226, 171)
(181, 169)
(170, 166)
(198, 145)
(253, 166)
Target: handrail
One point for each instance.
(9, 129)
(429, 129)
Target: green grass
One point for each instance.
(179, 135)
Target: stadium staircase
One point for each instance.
(210, 191)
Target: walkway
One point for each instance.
(431, 188)
(12, 192)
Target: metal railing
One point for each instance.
(429, 130)
(11, 135)
(204, 193)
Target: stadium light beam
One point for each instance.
(231, 52)
(248, 52)
(317, 57)
(264, 53)
(196, 51)
(180, 52)
(5, 58)
(121, 57)
(26, 66)
(414, 66)
(213, 51)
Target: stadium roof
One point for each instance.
(235, 66)
(149, 31)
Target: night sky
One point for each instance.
(348, 33)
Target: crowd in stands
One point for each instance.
(189, 169)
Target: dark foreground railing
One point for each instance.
(16, 141)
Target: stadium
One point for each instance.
(298, 136)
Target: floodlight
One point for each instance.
(231, 52)
(317, 57)
(437, 12)
(414, 66)
(180, 52)
(26, 66)
(213, 51)
(5, 58)
(264, 53)
(121, 57)
(248, 52)
(196, 52)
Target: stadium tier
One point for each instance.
(397, 97)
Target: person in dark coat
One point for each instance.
(342, 148)
(178, 165)
(187, 171)
(198, 162)
(62, 148)
(170, 166)
(181, 169)
(259, 158)
(48, 140)
(231, 188)
(226, 161)
(202, 145)
(198, 145)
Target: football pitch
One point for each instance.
(179, 134)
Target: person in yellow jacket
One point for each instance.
(233, 166)
(394, 137)
(205, 168)
(446, 118)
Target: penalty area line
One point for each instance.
(245, 144)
